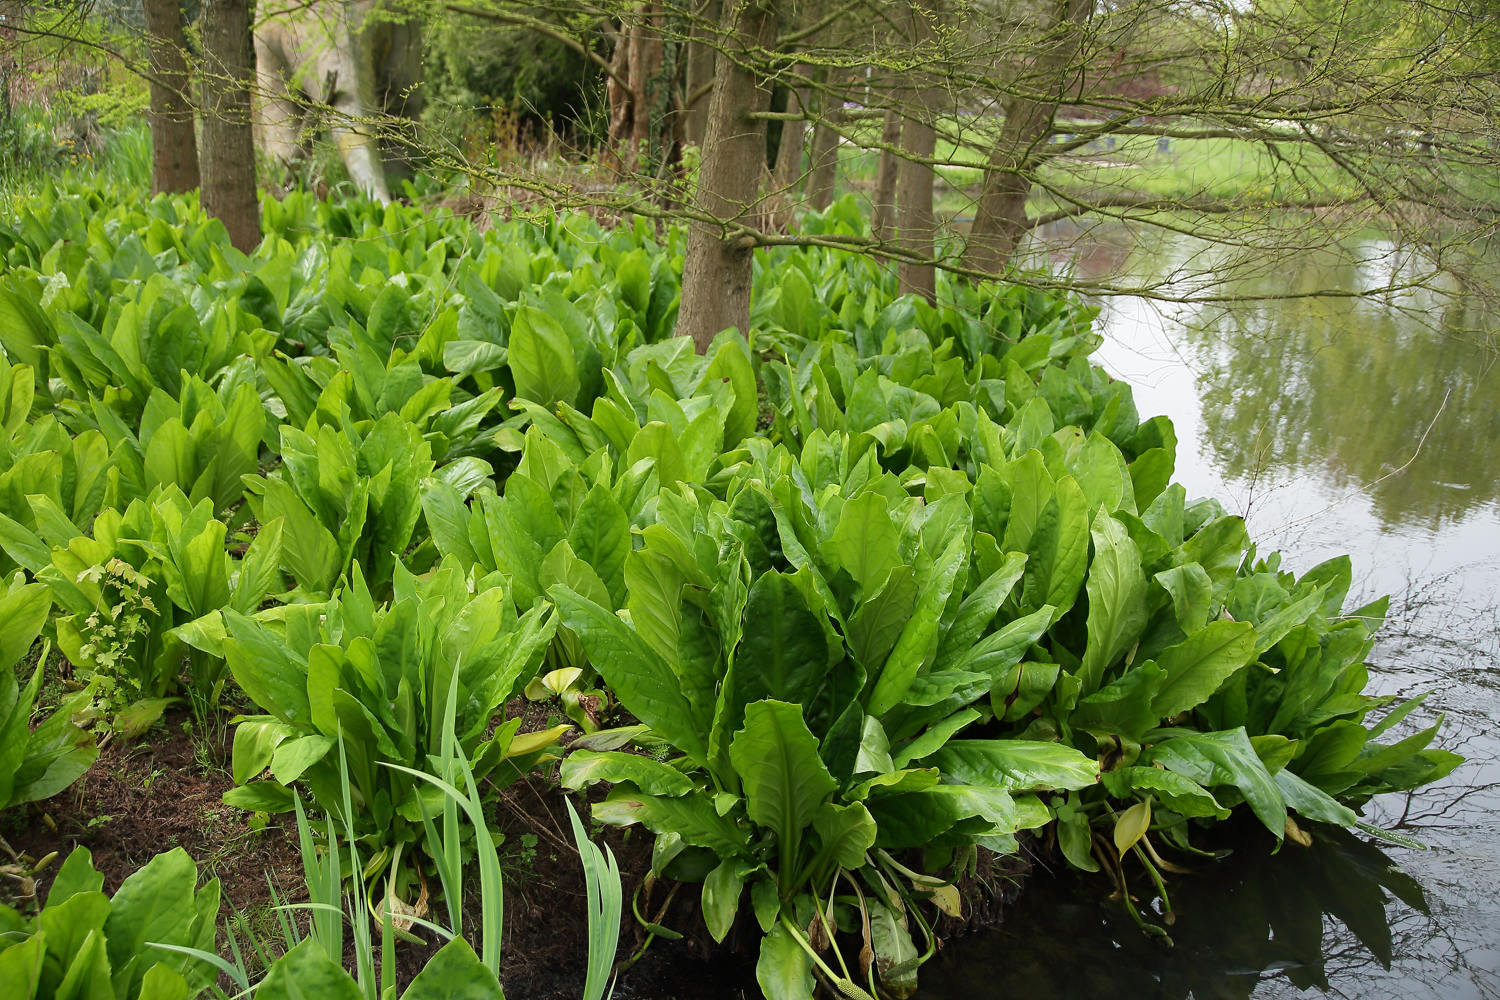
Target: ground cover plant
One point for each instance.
(846, 599)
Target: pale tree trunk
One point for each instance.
(700, 71)
(174, 146)
(915, 224)
(883, 201)
(789, 153)
(824, 155)
(636, 88)
(717, 264)
(787, 175)
(1000, 220)
(228, 161)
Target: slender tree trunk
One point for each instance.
(916, 226)
(824, 155)
(638, 98)
(228, 162)
(1000, 220)
(174, 146)
(717, 265)
(787, 174)
(883, 201)
(700, 71)
(789, 151)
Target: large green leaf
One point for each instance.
(1117, 600)
(784, 970)
(784, 653)
(866, 543)
(306, 973)
(454, 973)
(691, 817)
(784, 779)
(642, 681)
(582, 768)
(1197, 666)
(541, 358)
(1015, 765)
(1223, 758)
(918, 642)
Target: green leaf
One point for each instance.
(541, 358)
(783, 970)
(640, 679)
(784, 779)
(600, 536)
(1015, 765)
(918, 642)
(155, 904)
(692, 817)
(267, 669)
(87, 976)
(293, 757)
(784, 654)
(1197, 666)
(896, 956)
(21, 965)
(306, 973)
(24, 612)
(454, 973)
(1117, 600)
(582, 768)
(260, 796)
(1177, 792)
(845, 833)
(1223, 758)
(721, 897)
(979, 608)
(866, 542)
(1314, 803)
(1192, 595)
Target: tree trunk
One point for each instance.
(824, 155)
(639, 105)
(1000, 220)
(174, 146)
(789, 149)
(717, 264)
(915, 223)
(787, 175)
(700, 70)
(228, 162)
(883, 201)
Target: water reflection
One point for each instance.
(1361, 426)
(1303, 919)
(1346, 390)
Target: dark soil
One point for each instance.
(166, 792)
(138, 801)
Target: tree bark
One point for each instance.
(639, 127)
(916, 226)
(824, 155)
(883, 201)
(174, 145)
(1000, 220)
(717, 265)
(787, 175)
(228, 162)
(700, 71)
(789, 150)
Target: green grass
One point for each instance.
(1232, 170)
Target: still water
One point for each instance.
(1360, 426)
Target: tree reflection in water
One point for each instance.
(1285, 410)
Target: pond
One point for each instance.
(1367, 427)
